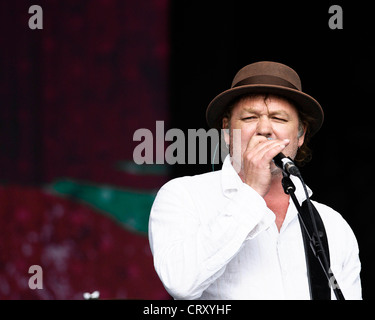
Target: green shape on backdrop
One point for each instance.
(129, 207)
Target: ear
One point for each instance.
(225, 126)
(301, 139)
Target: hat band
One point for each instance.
(268, 80)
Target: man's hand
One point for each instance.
(257, 160)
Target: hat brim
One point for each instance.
(303, 101)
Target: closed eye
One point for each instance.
(280, 119)
(249, 118)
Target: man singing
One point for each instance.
(235, 233)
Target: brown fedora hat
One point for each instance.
(266, 77)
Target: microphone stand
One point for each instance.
(315, 241)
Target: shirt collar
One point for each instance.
(300, 193)
(231, 181)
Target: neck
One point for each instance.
(276, 189)
(277, 200)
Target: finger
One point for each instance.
(272, 151)
(263, 153)
(271, 146)
(258, 145)
(255, 141)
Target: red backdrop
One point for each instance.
(72, 96)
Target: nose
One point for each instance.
(264, 127)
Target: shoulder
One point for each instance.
(337, 228)
(329, 215)
(188, 195)
(195, 183)
(187, 190)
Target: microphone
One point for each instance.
(286, 164)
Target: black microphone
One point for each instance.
(286, 164)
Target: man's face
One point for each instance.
(271, 116)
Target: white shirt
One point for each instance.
(213, 237)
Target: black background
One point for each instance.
(211, 41)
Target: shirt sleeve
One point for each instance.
(349, 271)
(344, 253)
(190, 255)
